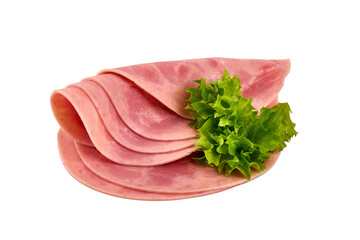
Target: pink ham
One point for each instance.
(182, 176)
(80, 172)
(167, 81)
(142, 112)
(273, 102)
(98, 134)
(120, 131)
(131, 127)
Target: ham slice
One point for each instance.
(142, 112)
(80, 172)
(182, 176)
(125, 132)
(119, 130)
(273, 102)
(167, 81)
(101, 139)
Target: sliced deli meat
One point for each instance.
(182, 176)
(84, 175)
(120, 131)
(100, 137)
(143, 113)
(167, 81)
(273, 102)
(125, 132)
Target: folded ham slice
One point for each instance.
(167, 81)
(125, 132)
(99, 136)
(182, 176)
(80, 172)
(119, 130)
(142, 112)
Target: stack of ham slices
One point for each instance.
(125, 132)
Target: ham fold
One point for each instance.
(125, 132)
(100, 137)
(182, 176)
(84, 175)
(167, 81)
(142, 112)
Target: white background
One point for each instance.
(311, 193)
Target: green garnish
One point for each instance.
(232, 133)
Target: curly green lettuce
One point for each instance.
(232, 134)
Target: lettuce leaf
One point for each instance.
(233, 134)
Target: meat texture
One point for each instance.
(182, 176)
(167, 81)
(142, 112)
(125, 132)
(103, 141)
(84, 175)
